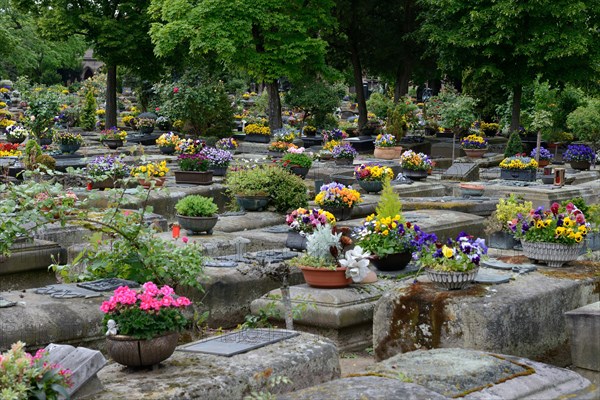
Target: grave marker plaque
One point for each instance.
(467, 172)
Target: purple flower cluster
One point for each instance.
(108, 165)
(579, 152)
(334, 134)
(544, 153)
(344, 151)
(217, 157)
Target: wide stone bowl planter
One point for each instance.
(553, 254)
(167, 149)
(415, 175)
(68, 148)
(295, 241)
(340, 213)
(113, 144)
(252, 203)
(325, 278)
(392, 262)
(388, 153)
(196, 225)
(194, 177)
(139, 352)
(451, 280)
(344, 161)
(527, 175)
(475, 153)
(580, 165)
(371, 186)
(258, 138)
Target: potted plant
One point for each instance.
(370, 177)
(338, 200)
(68, 142)
(229, 144)
(498, 226)
(9, 150)
(552, 236)
(189, 146)
(344, 154)
(544, 158)
(16, 134)
(113, 137)
(197, 214)
(151, 173)
(335, 134)
(218, 160)
(297, 161)
(167, 142)
(258, 133)
(163, 123)
(474, 146)
(26, 376)
(309, 131)
(386, 147)
(454, 264)
(518, 168)
(415, 165)
(580, 156)
(145, 125)
(194, 169)
(105, 171)
(302, 223)
(143, 326)
(276, 149)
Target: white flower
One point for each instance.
(356, 263)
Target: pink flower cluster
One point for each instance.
(151, 298)
(296, 150)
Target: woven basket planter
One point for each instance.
(451, 280)
(553, 254)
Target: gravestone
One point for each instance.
(466, 172)
(584, 331)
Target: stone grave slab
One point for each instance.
(472, 374)
(107, 285)
(84, 364)
(584, 331)
(501, 265)
(466, 172)
(307, 360)
(362, 143)
(233, 343)
(343, 315)
(30, 256)
(67, 291)
(487, 276)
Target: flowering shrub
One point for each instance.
(167, 140)
(216, 157)
(386, 235)
(107, 166)
(189, 146)
(305, 221)
(9, 150)
(344, 151)
(334, 134)
(474, 142)
(113, 134)
(415, 161)
(541, 225)
(227, 144)
(280, 146)
(544, 153)
(67, 138)
(16, 132)
(460, 255)
(193, 162)
(337, 195)
(329, 146)
(385, 140)
(31, 377)
(372, 172)
(151, 170)
(145, 314)
(256, 129)
(519, 162)
(579, 152)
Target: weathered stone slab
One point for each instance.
(523, 317)
(474, 374)
(462, 172)
(306, 360)
(364, 387)
(30, 256)
(584, 331)
(343, 315)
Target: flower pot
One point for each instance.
(107, 183)
(258, 138)
(553, 254)
(371, 186)
(194, 177)
(344, 161)
(415, 175)
(147, 183)
(196, 225)
(252, 203)
(218, 171)
(471, 189)
(325, 278)
(388, 153)
(146, 130)
(392, 262)
(113, 144)
(68, 148)
(167, 149)
(527, 175)
(45, 141)
(340, 213)
(300, 171)
(132, 352)
(451, 280)
(475, 153)
(580, 165)
(502, 240)
(14, 140)
(295, 241)
(543, 163)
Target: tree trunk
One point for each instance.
(402, 79)
(274, 108)
(515, 120)
(358, 84)
(111, 96)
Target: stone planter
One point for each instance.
(325, 278)
(502, 240)
(527, 175)
(113, 144)
(344, 161)
(580, 165)
(451, 280)
(415, 175)
(340, 213)
(252, 203)
(300, 171)
(475, 153)
(194, 177)
(553, 254)
(258, 138)
(167, 149)
(371, 186)
(392, 262)
(139, 352)
(197, 225)
(147, 183)
(68, 148)
(388, 153)
(295, 241)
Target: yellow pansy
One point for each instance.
(447, 251)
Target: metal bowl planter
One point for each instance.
(252, 203)
(553, 254)
(415, 175)
(451, 280)
(392, 262)
(340, 213)
(502, 240)
(295, 241)
(15, 140)
(196, 225)
(113, 144)
(371, 186)
(300, 171)
(146, 130)
(47, 141)
(218, 171)
(132, 352)
(580, 165)
(167, 149)
(68, 148)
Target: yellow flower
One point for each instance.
(539, 224)
(447, 251)
(568, 222)
(559, 231)
(385, 233)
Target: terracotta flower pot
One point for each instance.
(388, 153)
(325, 278)
(147, 183)
(475, 153)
